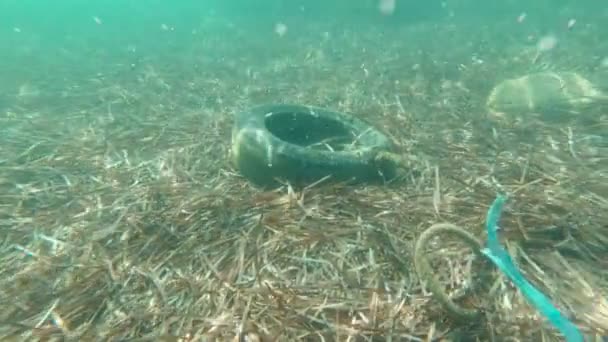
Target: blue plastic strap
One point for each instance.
(501, 258)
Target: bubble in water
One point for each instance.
(546, 43)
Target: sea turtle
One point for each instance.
(553, 95)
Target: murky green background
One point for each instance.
(73, 64)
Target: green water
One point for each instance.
(133, 78)
(103, 103)
(60, 47)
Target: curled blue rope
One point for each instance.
(501, 258)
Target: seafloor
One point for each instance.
(122, 218)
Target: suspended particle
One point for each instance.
(280, 29)
(387, 7)
(521, 17)
(546, 43)
(571, 24)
